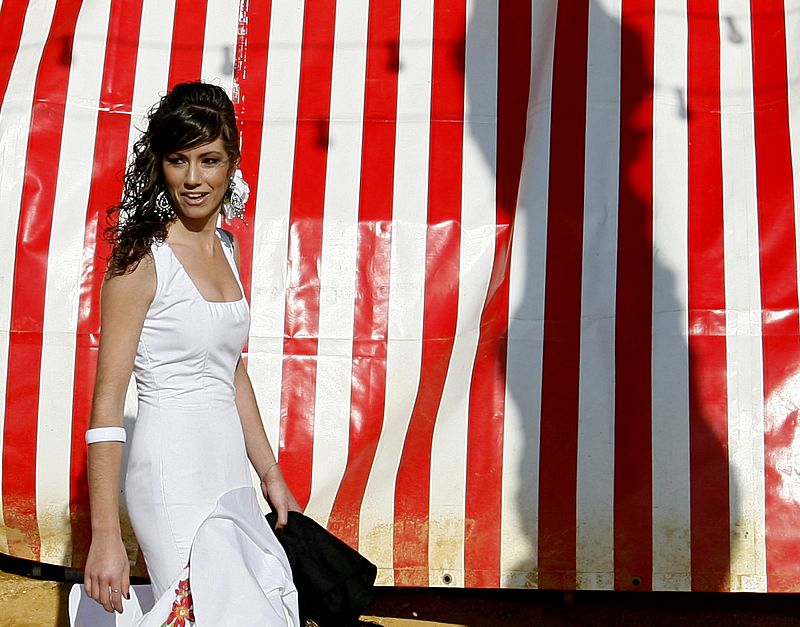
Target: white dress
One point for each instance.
(188, 486)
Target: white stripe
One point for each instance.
(219, 45)
(150, 83)
(270, 229)
(15, 117)
(64, 264)
(407, 281)
(152, 62)
(449, 446)
(670, 373)
(743, 302)
(594, 542)
(520, 513)
(338, 263)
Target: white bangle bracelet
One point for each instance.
(105, 434)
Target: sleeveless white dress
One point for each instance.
(212, 558)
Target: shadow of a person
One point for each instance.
(597, 315)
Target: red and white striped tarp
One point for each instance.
(524, 275)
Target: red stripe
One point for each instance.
(484, 472)
(30, 276)
(12, 19)
(250, 84)
(301, 325)
(188, 36)
(779, 304)
(633, 543)
(558, 454)
(443, 251)
(708, 413)
(111, 144)
(370, 327)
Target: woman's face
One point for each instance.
(197, 178)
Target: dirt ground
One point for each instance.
(27, 601)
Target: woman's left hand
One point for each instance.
(278, 494)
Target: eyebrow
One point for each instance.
(202, 154)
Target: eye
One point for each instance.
(211, 161)
(174, 160)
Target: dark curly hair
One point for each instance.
(190, 115)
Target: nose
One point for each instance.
(193, 175)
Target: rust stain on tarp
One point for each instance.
(55, 533)
(55, 539)
(23, 541)
(376, 545)
(18, 545)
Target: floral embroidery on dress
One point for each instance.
(182, 609)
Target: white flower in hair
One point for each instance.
(237, 194)
(239, 187)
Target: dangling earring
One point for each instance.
(237, 194)
(163, 206)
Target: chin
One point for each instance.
(197, 213)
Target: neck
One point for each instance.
(194, 230)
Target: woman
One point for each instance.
(174, 312)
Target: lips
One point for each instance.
(194, 199)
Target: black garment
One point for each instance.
(335, 583)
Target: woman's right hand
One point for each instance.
(106, 577)
(125, 300)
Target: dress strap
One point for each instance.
(162, 263)
(226, 238)
(227, 246)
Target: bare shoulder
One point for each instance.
(135, 289)
(125, 300)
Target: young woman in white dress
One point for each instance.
(174, 313)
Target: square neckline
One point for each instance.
(194, 285)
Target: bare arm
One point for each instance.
(258, 447)
(124, 303)
(259, 450)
